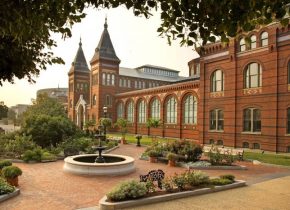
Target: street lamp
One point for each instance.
(105, 109)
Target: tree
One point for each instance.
(25, 26)
(3, 110)
(122, 124)
(153, 123)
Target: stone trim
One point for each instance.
(10, 195)
(252, 91)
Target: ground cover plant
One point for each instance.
(277, 159)
(189, 180)
(5, 188)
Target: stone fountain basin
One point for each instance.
(123, 167)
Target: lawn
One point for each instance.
(283, 160)
(146, 140)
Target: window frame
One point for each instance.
(142, 111)
(253, 42)
(216, 120)
(264, 39)
(253, 120)
(130, 111)
(242, 45)
(120, 110)
(155, 109)
(190, 109)
(214, 82)
(248, 76)
(171, 110)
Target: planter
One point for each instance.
(153, 159)
(13, 181)
(123, 141)
(106, 205)
(172, 163)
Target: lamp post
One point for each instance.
(105, 109)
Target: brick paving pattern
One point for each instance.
(45, 186)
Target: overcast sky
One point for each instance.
(135, 40)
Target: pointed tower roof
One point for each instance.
(105, 47)
(80, 63)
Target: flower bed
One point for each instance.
(205, 165)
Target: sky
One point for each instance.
(135, 40)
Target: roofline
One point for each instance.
(159, 67)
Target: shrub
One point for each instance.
(216, 158)
(11, 171)
(220, 181)
(111, 144)
(128, 190)
(47, 156)
(192, 151)
(4, 163)
(5, 188)
(228, 176)
(197, 178)
(152, 153)
(72, 146)
(33, 155)
(167, 184)
(172, 156)
(179, 181)
(150, 186)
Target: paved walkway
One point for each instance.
(45, 186)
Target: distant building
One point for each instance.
(19, 109)
(58, 93)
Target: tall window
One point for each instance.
(129, 83)
(288, 121)
(142, 112)
(94, 99)
(155, 109)
(171, 110)
(108, 101)
(190, 110)
(108, 79)
(130, 112)
(216, 119)
(252, 120)
(253, 76)
(217, 81)
(120, 82)
(289, 72)
(120, 110)
(113, 79)
(242, 45)
(264, 39)
(104, 79)
(253, 44)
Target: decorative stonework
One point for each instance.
(217, 94)
(252, 91)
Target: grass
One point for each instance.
(283, 160)
(146, 140)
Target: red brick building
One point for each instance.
(236, 94)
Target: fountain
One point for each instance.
(101, 164)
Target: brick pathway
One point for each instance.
(45, 186)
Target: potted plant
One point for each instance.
(11, 174)
(138, 138)
(153, 154)
(4, 163)
(122, 125)
(172, 158)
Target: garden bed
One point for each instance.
(106, 205)
(10, 195)
(211, 167)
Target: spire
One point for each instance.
(79, 63)
(105, 48)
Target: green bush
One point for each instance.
(153, 153)
(128, 190)
(111, 144)
(216, 158)
(47, 156)
(219, 181)
(73, 146)
(11, 171)
(228, 176)
(197, 178)
(179, 180)
(4, 163)
(167, 184)
(32, 155)
(5, 188)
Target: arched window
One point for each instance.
(190, 110)
(217, 81)
(142, 112)
(253, 76)
(155, 109)
(216, 120)
(220, 142)
(94, 99)
(113, 79)
(242, 45)
(104, 79)
(171, 110)
(130, 112)
(252, 120)
(288, 121)
(245, 144)
(253, 44)
(120, 110)
(264, 39)
(256, 146)
(108, 79)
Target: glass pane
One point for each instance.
(212, 121)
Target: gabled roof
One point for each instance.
(79, 63)
(105, 48)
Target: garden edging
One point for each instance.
(10, 195)
(104, 205)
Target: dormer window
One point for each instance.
(242, 45)
(264, 39)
